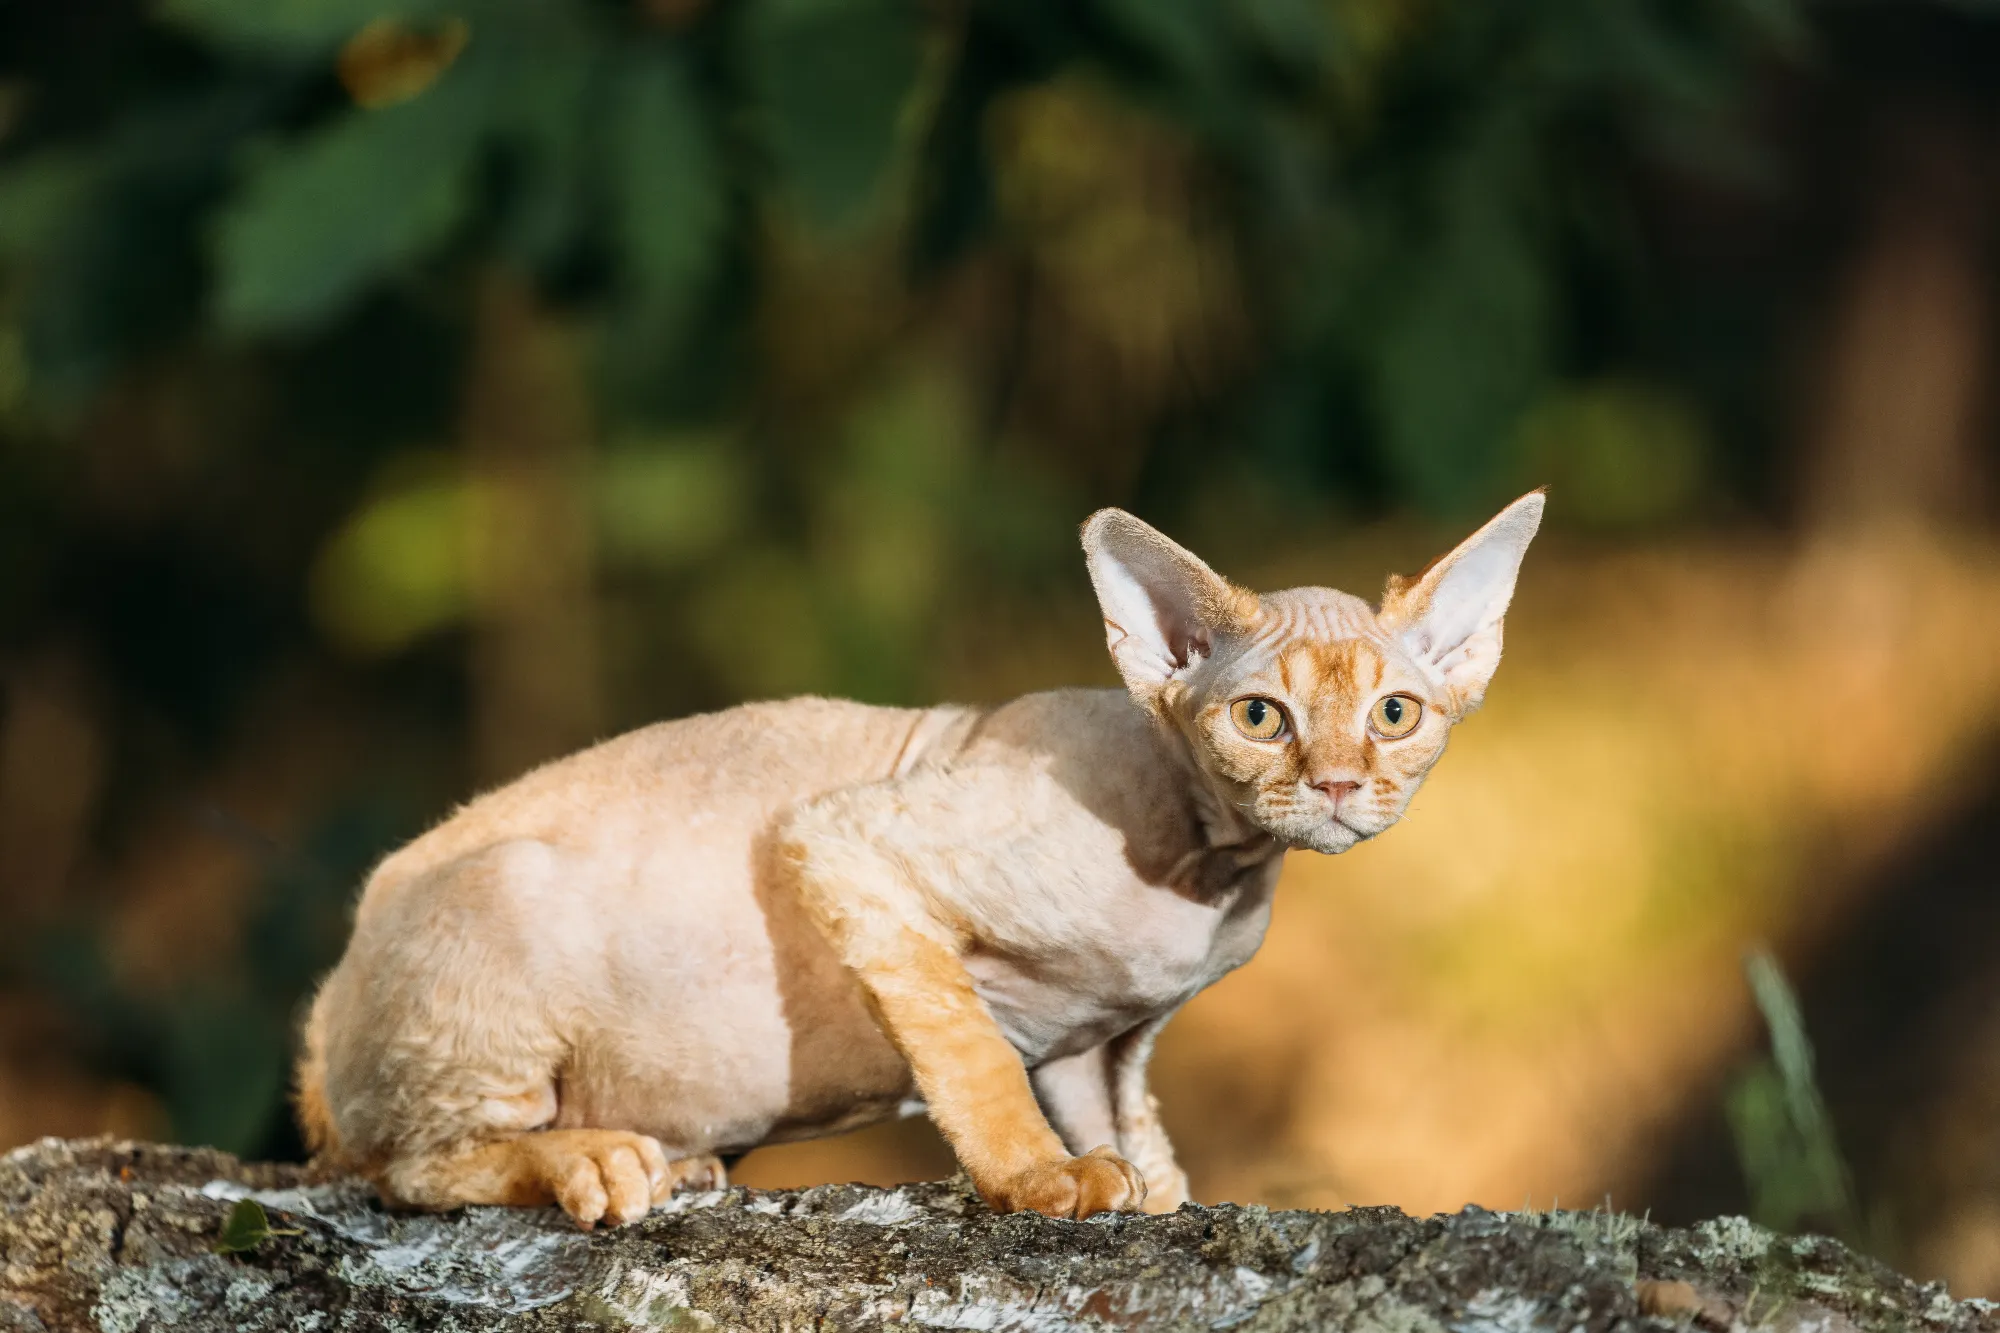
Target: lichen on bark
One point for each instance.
(98, 1234)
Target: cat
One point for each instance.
(790, 919)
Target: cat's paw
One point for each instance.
(615, 1177)
(1100, 1181)
(608, 1175)
(692, 1174)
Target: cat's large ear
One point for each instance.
(1450, 615)
(1162, 606)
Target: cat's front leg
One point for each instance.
(907, 961)
(1136, 1115)
(978, 1091)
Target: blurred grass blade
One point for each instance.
(1784, 1137)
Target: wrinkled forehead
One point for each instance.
(1316, 613)
(1321, 644)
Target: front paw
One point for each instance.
(1100, 1181)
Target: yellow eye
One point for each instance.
(1259, 719)
(1395, 716)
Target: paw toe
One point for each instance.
(660, 1172)
(628, 1191)
(1108, 1183)
(581, 1193)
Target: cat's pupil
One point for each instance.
(1392, 711)
(1256, 712)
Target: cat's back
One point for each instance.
(704, 784)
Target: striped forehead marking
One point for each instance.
(1317, 614)
(1336, 671)
(1313, 638)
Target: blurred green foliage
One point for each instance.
(1414, 201)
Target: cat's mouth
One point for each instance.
(1334, 836)
(1313, 824)
(1321, 832)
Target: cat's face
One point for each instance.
(1316, 716)
(1318, 725)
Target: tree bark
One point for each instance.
(98, 1234)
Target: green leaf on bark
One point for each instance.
(247, 1227)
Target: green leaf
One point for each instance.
(39, 196)
(103, 237)
(833, 77)
(554, 125)
(671, 211)
(286, 27)
(247, 1227)
(320, 221)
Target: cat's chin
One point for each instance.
(1329, 837)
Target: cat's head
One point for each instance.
(1315, 714)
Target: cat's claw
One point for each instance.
(1100, 1181)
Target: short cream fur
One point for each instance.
(790, 919)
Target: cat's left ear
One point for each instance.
(1450, 615)
(1162, 606)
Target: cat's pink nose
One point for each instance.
(1336, 789)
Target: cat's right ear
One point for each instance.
(1451, 615)
(1162, 606)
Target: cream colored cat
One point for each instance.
(791, 919)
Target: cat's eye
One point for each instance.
(1259, 719)
(1395, 716)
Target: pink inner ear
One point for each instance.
(1184, 636)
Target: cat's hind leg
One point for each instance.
(436, 1050)
(1141, 1136)
(595, 1175)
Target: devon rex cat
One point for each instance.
(790, 919)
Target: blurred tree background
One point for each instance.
(394, 395)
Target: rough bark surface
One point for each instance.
(99, 1234)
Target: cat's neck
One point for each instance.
(1140, 775)
(1224, 826)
